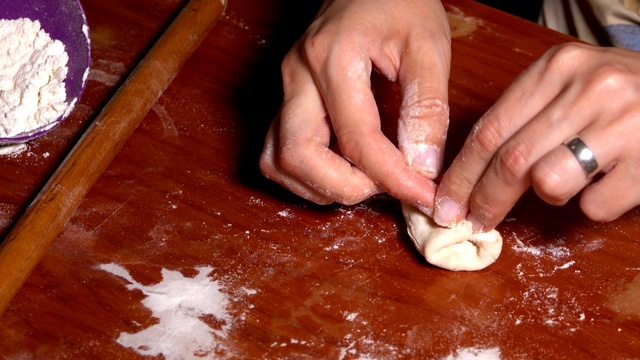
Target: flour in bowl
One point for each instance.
(33, 68)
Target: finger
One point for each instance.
(523, 102)
(517, 106)
(424, 113)
(614, 194)
(559, 175)
(306, 157)
(270, 168)
(356, 122)
(617, 191)
(308, 165)
(571, 111)
(512, 168)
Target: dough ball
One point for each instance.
(456, 248)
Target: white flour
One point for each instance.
(179, 303)
(32, 72)
(475, 354)
(12, 150)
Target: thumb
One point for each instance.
(424, 113)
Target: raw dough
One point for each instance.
(456, 248)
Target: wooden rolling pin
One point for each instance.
(43, 220)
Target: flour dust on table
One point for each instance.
(179, 303)
(474, 353)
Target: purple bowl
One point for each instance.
(64, 20)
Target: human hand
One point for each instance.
(327, 88)
(572, 90)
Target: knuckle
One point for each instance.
(266, 162)
(512, 162)
(352, 146)
(332, 47)
(422, 120)
(349, 199)
(609, 78)
(318, 47)
(456, 183)
(550, 187)
(597, 212)
(288, 61)
(486, 135)
(289, 67)
(553, 197)
(414, 106)
(568, 54)
(594, 205)
(266, 166)
(350, 191)
(481, 208)
(289, 161)
(314, 47)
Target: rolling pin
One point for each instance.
(43, 220)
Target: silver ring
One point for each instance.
(584, 155)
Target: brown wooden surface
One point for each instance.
(297, 281)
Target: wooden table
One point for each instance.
(183, 249)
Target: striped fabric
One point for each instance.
(599, 22)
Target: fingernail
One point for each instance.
(426, 210)
(425, 158)
(476, 224)
(447, 211)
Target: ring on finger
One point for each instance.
(584, 155)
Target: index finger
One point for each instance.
(356, 121)
(519, 104)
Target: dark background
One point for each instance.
(528, 9)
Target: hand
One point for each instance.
(327, 88)
(573, 90)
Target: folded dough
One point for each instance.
(456, 248)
